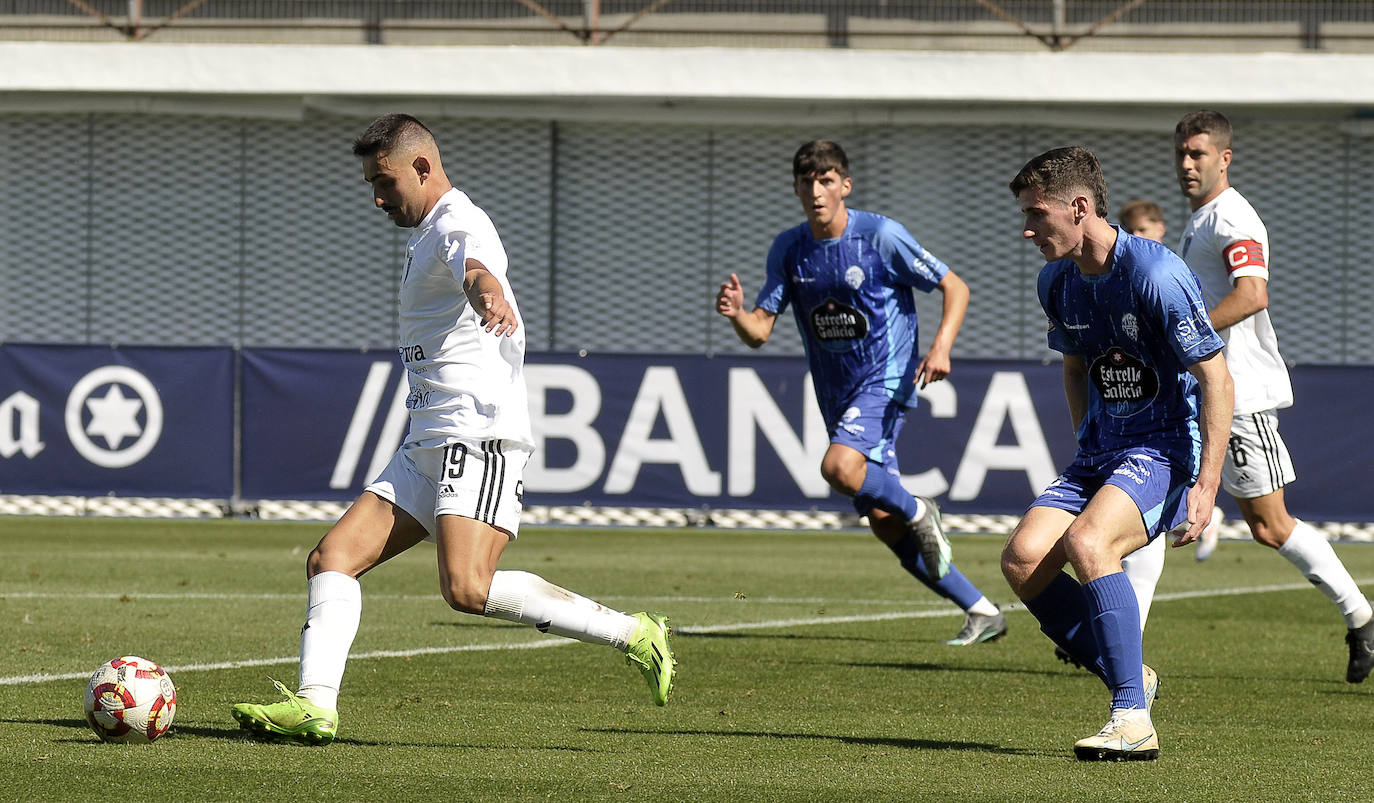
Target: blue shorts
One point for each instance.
(869, 421)
(1157, 481)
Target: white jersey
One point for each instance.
(465, 383)
(1224, 241)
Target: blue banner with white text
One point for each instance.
(89, 421)
(622, 430)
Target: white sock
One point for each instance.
(1143, 568)
(983, 607)
(920, 511)
(529, 598)
(333, 607)
(1314, 557)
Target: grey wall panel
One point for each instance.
(165, 225)
(194, 230)
(320, 260)
(633, 212)
(506, 168)
(44, 227)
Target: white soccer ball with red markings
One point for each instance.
(130, 700)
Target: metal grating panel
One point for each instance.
(1357, 298)
(1294, 175)
(631, 232)
(164, 211)
(43, 226)
(220, 230)
(506, 168)
(320, 262)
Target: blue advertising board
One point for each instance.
(621, 430)
(87, 420)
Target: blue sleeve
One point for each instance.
(773, 294)
(1173, 295)
(911, 265)
(1058, 336)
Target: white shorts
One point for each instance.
(1257, 461)
(480, 481)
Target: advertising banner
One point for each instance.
(89, 421)
(617, 430)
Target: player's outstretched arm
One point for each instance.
(1218, 399)
(488, 299)
(753, 327)
(936, 365)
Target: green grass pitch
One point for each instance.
(811, 668)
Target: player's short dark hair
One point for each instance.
(387, 132)
(1140, 209)
(818, 157)
(1205, 121)
(1058, 173)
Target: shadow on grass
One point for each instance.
(236, 734)
(688, 633)
(927, 666)
(865, 741)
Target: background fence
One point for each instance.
(1151, 25)
(162, 229)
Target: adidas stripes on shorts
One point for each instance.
(476, 480)
(1257, 461)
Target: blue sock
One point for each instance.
(885, 492)
(1063, 613)
(954, 586)
(1116, 624)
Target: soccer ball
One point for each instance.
(130, 700)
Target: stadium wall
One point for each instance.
(204, 195)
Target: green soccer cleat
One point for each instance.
(294, 719)
(649, 651)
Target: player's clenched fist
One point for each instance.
(730, 299)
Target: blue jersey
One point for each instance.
(853, 303)
(1137, 328)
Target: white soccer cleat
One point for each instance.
(1128, 736)
(1207, 542)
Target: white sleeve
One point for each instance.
(1243, 248)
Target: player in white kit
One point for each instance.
(456, 479)
(1227, 246)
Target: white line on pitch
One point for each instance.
(209, 595)
(17, 680)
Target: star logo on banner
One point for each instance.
(114, 417)
(104, 439)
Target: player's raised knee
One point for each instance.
(464, 595)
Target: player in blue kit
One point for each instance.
(848, 276)
(1150, 397)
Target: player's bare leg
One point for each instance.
(1300, 543)
(370, 532)
(469, 581)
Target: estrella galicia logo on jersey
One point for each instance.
(114, 417)
(1125, 383)
(1187, 241)
(838, 326)
(854, 276)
